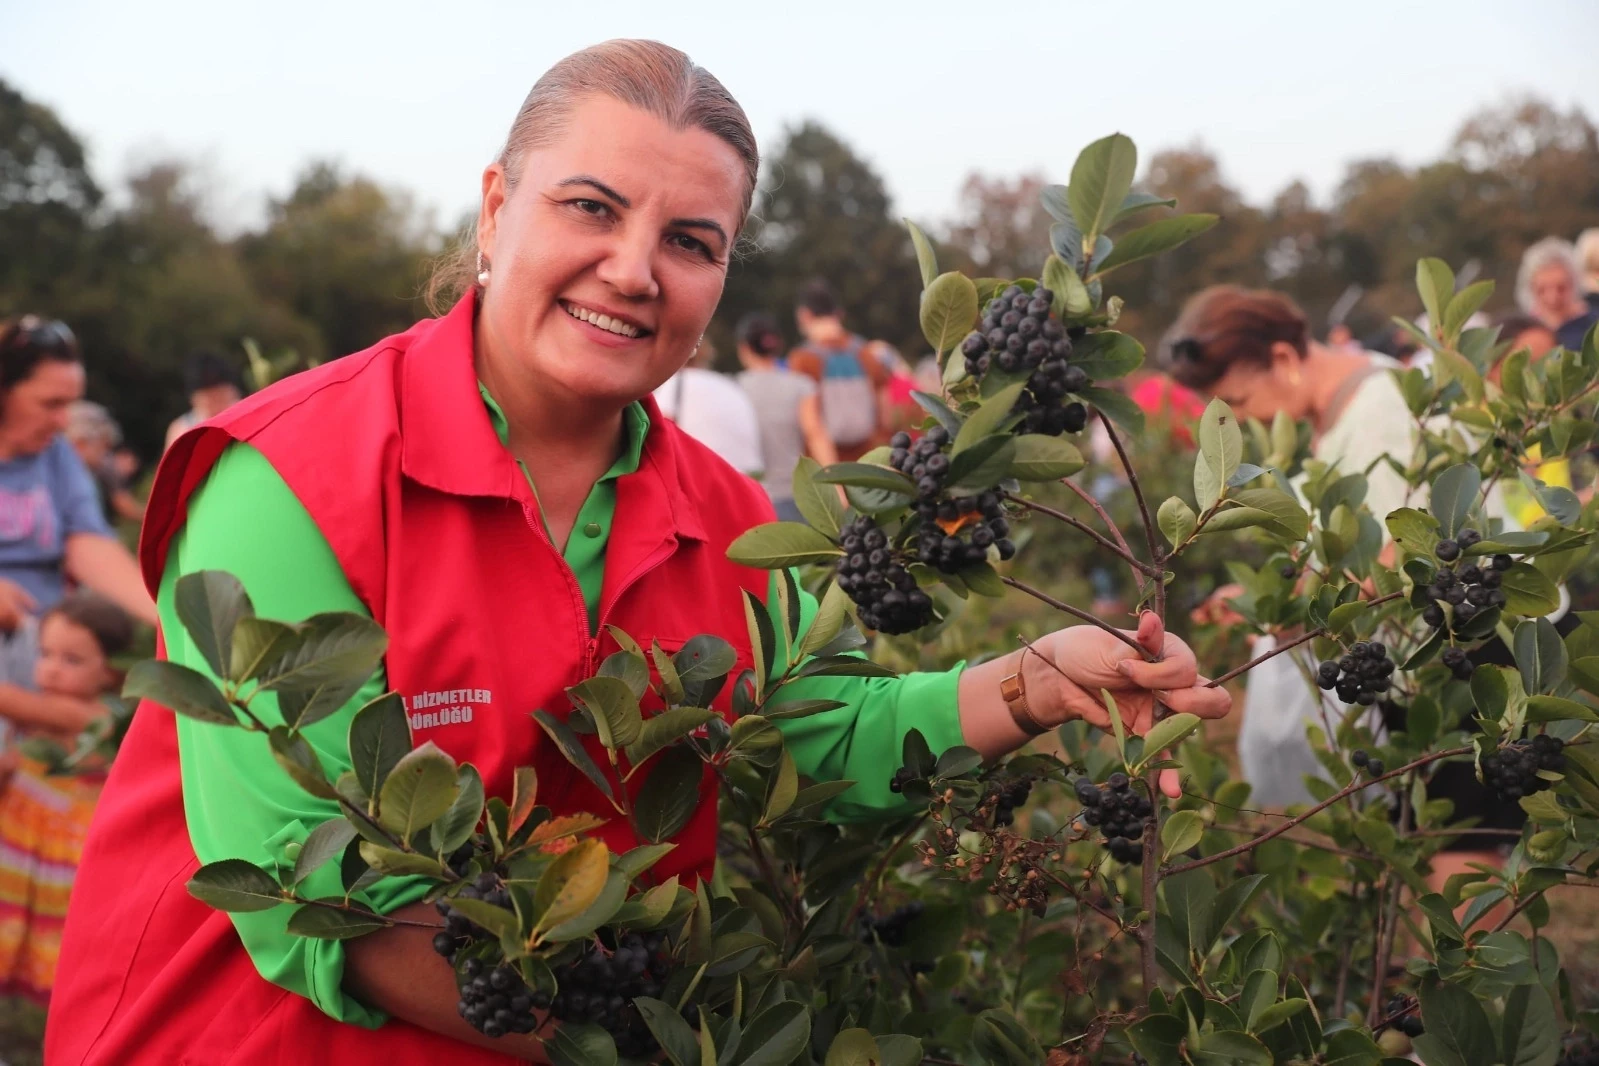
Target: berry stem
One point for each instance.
(1083, 527)
(1305, 638)
(1150, 540)
(1076, 612)
(1300, 819)
(1099, 509)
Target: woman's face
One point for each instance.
(1256, 391)
(1554, 291)
(35, 409)
(70, 660)
(608, 256)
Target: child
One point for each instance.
(44, 819)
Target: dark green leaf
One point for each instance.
(1153, 239)
(670, 795)
(1529, 592)
(670, 1030)
(665, 728)
(178, 688)
(948, 311)
(818, 503)
(235, 885)
(1158, 1039)
(458, 823)
(294, 753)
(1071, 295)
(1101, 178)
(853, 1047)
(1540, 655)
(1107, 354)
(1135, 202)
(842, 666)
(1117, 407)
(210, 604)
(1557, 709)
(573, 749)
(417, 792)
(1237, 518)
(581, 1044)
(1227, 904)
(1454, 497)
(939, 410)
(787, 709)
(335, 652)
(1531, 1030)
(331, 918)
(957, 761)
(775, 1036)
(257, 645)
(983, 465)
(1490, 691)
(1182, 831)
(1458, 1029)
(1226, 1048)
(614, 708)
(1351, 1047)
(1416, 531)
(500, 921)
(330, 838)
(380, 733)
(1003, 1041)
(763, 641)
(629, 667)
(916, 755)
(704, 658)
(779, 544)
(1038, 457)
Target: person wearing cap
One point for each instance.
(787, 410)
(497, 488)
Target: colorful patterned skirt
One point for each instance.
(43, 823)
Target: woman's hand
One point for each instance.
(1088, 661)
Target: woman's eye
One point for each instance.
(592, 207)
(690, 244)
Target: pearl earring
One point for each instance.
(482, 270)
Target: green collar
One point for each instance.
(635, 425)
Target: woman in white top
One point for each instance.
(1253, 349)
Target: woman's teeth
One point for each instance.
(605, 322)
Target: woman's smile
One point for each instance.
(614, 325)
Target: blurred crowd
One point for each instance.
(806, 385)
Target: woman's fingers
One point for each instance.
(1151, 633)
(1177, 670)
(1171, 786)
(1204, 702)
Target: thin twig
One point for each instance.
(1099, 509)
(1526, 901)
(882, 865)
(1341, 987)
(1291, 645)
(1385, 947)
(1320, 845)
(1088, 531)
(1150, 533)
(1076, 612)
(386, 919)
(1299, 819)
(1083, 900)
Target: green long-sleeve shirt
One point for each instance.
(240, 804)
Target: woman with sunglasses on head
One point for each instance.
(52, 530)
(499, 488)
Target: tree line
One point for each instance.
(147, 276)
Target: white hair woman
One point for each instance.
(1549, 288)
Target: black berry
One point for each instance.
(876, 578)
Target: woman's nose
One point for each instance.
(629, 265)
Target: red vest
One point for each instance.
(393, 455)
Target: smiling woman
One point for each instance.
(498, 490)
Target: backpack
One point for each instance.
(848, 397)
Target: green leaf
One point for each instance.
(1116, 406)
(928, 261)
(1182, 831)
(916, 755)
(1135, 202)
(1435, 282)
(1154, 239)
(897, 1049)
(784, 789)
(1043, 458)
(853, 1047)
(1558, 709)
(417, 792)
(573, 749)
(842, 666)
(1227, 1048)
(983, 465)
(666, 728)
(763, 641)
(987, 419)
(324, 922)
(1454, 496)
(321, 844)
(258, 644)
(670, 795)
(829, 619)
(581, 1044)
(1416, 531)
(1340, 618)
(939, 410)
(1458, 1029)
(1234, 518)
(497, 920)
(614, 708)
(1168, 733)
(1003, 1041)
(380, 734)
(1158, 1038)
(235, 885)
(1351, 1047)
(1228, 904)
(1101, 178)
(670, 1031)
(1177, 520)
(178, 688)
(1529, 592)
(775, 1036)
(210, 603)
(335, 652)
(1071, 296)
(1463, 305)
(867, 476)
(1278, 1013)
(294, 753)
(1107, 354)
(1544, 809)
(1490, 691)
(1531, 1030)
(949, 310)
(1289, 523)
(628, 666)
(1221, 449)
(957, 761)
(784, 710)
(819, 504)
(781, 544)
(1540, 655)
(458, 823)
(570, 884)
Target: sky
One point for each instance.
(419, 95)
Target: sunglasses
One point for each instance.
(31, 331)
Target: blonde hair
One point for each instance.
(651, 76)
(1549, 251)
